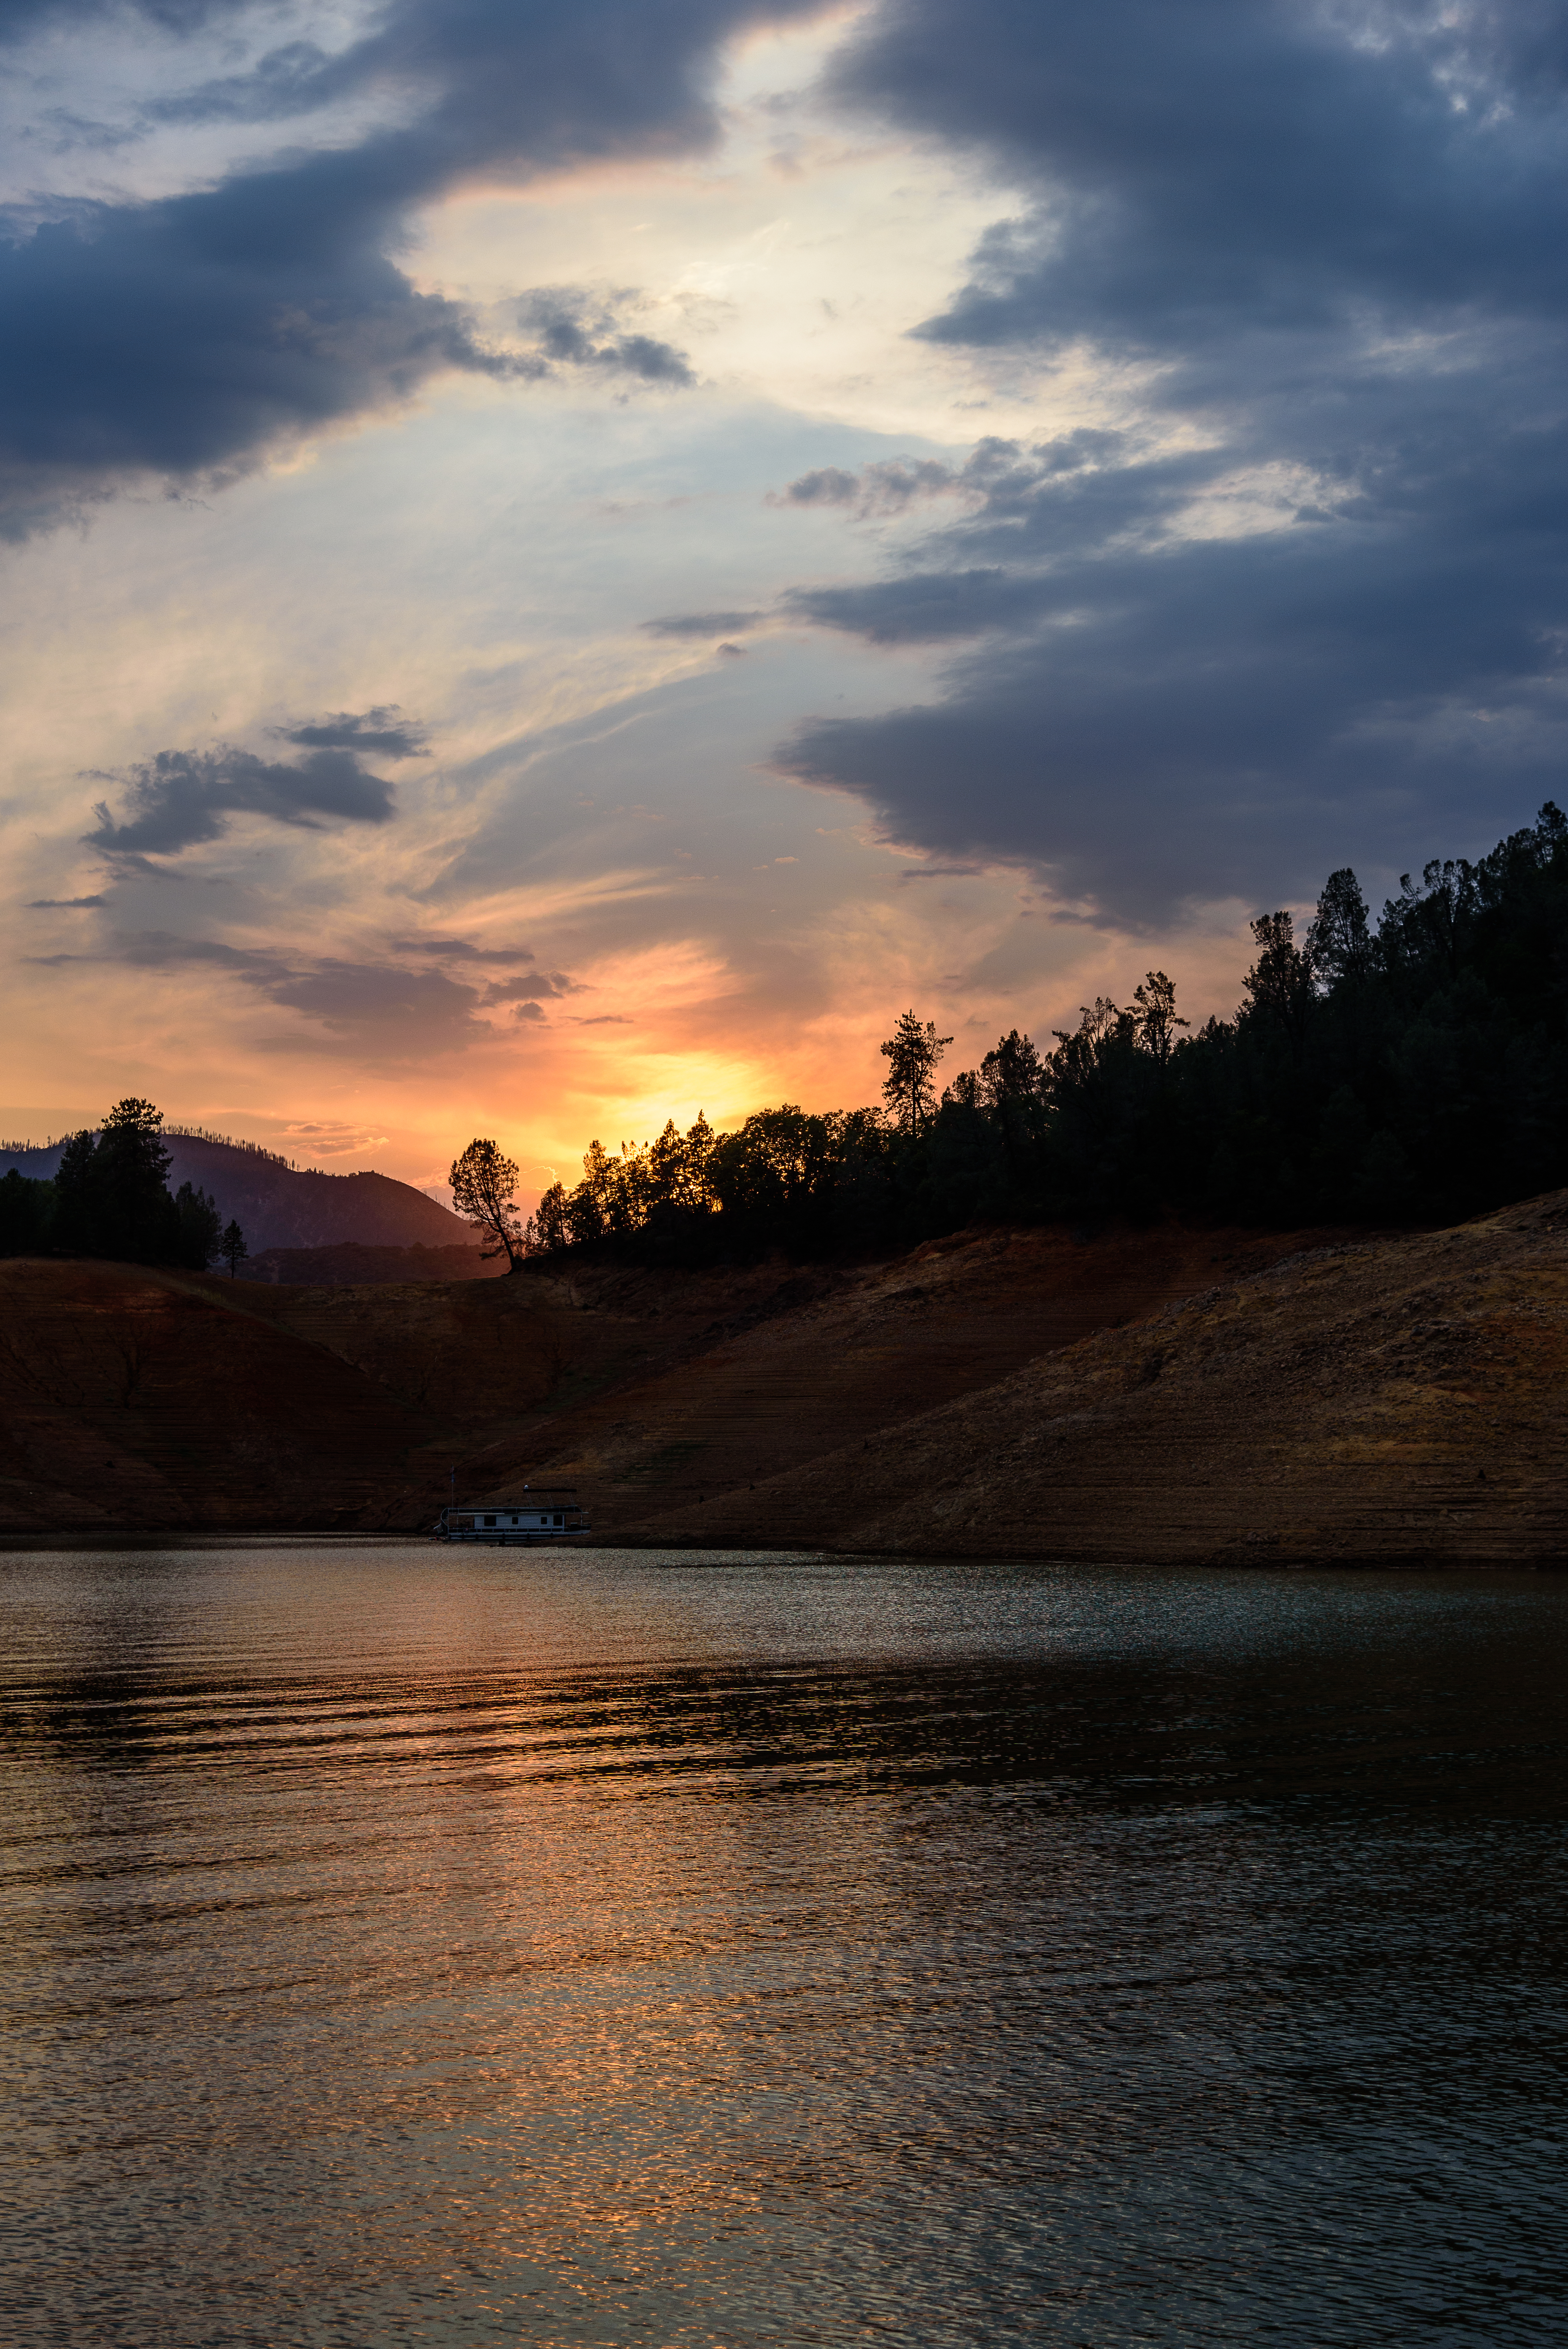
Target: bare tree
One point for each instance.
(914, 1048)
(483, 1181)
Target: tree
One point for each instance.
(1154, 1020)
(1009, 1075)
(231, 1246)
(483, 1181)
(1280, 981)
(547, 1229)
(26, 1208)
(1338, 937)
(200, 1228)
(110, 1191)
(912, 1050)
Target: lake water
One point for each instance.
(411, 1948)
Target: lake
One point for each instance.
(412, 1947)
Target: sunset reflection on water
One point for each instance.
(611, 1948)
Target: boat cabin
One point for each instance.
(548, 1513)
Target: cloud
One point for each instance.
(384, 1007)
(1235, 161)
(297, 78)
(1313, 603)
(185, 337)
(382, 730)
(461, 950)
(380, 1004)
(542, 988)
(50, 904)
(180, 799)
(706, 624)
(570, 328)
(332, 1140)
(1198, 717)
(889, 488)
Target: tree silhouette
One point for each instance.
(201, 1226)
(1155, 1017)
(232, 1248)
(111, 1197)
(483, 1181)
(912, 1050)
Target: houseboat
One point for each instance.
(546, 1513)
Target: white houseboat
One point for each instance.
(546, 1513)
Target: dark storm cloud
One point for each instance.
(1172, 717)
(1235, 159)
(181, 798)
(183, 337)
(1338, 242)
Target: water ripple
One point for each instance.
(608, 1950)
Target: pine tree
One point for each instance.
(912, 1050)
(483, 1181)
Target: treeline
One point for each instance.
(110, 1197)
(1415, 1071)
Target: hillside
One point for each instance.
(281, 1206)
(1403, 1402)
(350, 1265)
(1168, 1394)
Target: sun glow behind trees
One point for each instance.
(1422, 1072)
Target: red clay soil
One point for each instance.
(1161, 1394)
(140, 1400)
(131, 1403)
(818, 1363)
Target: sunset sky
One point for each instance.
(563, 564)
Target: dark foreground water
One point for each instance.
(605, 1949)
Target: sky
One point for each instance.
(563, 564)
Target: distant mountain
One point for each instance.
(278, 1205)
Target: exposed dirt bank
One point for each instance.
(1389, 1403)
(1164, 1394)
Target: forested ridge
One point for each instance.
(110, 1197)
(1412, 1071)
(1416, 1071)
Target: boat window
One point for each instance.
(490, 1521)
(557, 1516)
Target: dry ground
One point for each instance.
(1169, 1393)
